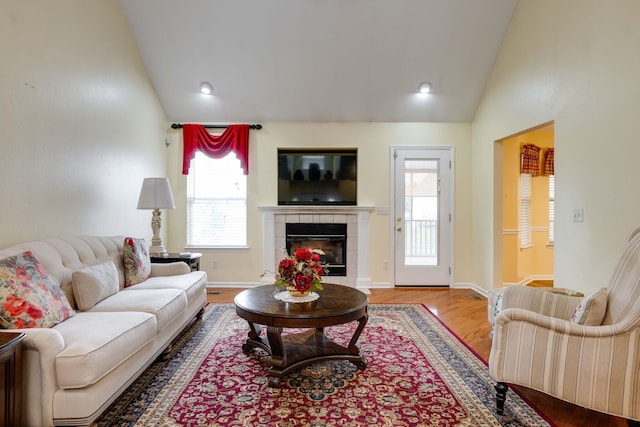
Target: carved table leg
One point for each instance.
(278, 355)
(254, 334)
(501, 396)
(353, 343)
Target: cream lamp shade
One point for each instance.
(156, 194)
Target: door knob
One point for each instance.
(399, 228)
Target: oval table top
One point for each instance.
(337, 304)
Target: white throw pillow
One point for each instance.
(93, 284)
(592, 308)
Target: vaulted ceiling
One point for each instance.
(319, 60)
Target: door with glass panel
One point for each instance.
(422, 216)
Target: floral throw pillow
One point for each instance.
(29, 298)
(136, 261)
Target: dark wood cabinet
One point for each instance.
(192, 259)
(11, 378)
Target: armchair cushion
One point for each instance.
(592, 308)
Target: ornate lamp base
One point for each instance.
(156, 248)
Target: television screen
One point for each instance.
(317, 177)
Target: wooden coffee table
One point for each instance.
(337, 305)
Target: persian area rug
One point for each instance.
(419, 374)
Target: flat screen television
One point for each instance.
(317, 177)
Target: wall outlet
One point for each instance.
(385, 264)
(214, 264)
(578, 215)
(382, 210)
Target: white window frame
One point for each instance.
(218, 188)
(526, 192)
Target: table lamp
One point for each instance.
(156, 194)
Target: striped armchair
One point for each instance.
(537, 345)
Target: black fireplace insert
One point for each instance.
(329, 238)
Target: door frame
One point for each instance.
(392, 212)
(498, 181)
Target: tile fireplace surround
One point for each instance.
(275, 219)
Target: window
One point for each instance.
(552, 208)
(525, 210)
(216, 202)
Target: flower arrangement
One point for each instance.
(301, 272)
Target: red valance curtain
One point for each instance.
(196, 138)
(530, 159)
(549, 162)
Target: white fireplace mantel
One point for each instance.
(356, 218)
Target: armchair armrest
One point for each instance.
(509, 317)
(169, 269)
(540, 301)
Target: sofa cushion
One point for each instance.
(193, 284)
(29, 298)
(93, 284)
(96, 343)
(165, 304)
(592, 308)
(136, 261)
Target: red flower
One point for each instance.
(303, 254)
(302, 282)
(41, 270)
(15, 306)
(34, 312)
(22, 274)
(285, 267)
(315, 257)
(22, 323)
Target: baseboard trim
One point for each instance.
(372, 285)
(472, 286)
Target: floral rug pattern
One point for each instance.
(419, 374)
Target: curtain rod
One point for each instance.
(180, 125)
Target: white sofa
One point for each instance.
(75, 369)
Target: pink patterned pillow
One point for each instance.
(137, 264)
(29, 298)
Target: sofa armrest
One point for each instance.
(40, 348)
(540, 301)
(169, 269)
(48, 342)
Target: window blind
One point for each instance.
(552, 208)
(525, 210)
(216, 202)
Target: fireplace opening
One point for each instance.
(329, 238)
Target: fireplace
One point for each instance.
(329, 238)
(356, 219)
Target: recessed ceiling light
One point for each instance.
(206, 88)
(424, 88)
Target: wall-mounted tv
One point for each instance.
(317, 177)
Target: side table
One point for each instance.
(192, 259)
(11, 378)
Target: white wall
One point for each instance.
(81, 124)
(574, 62)
(373, 141)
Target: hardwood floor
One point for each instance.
(465, 312)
